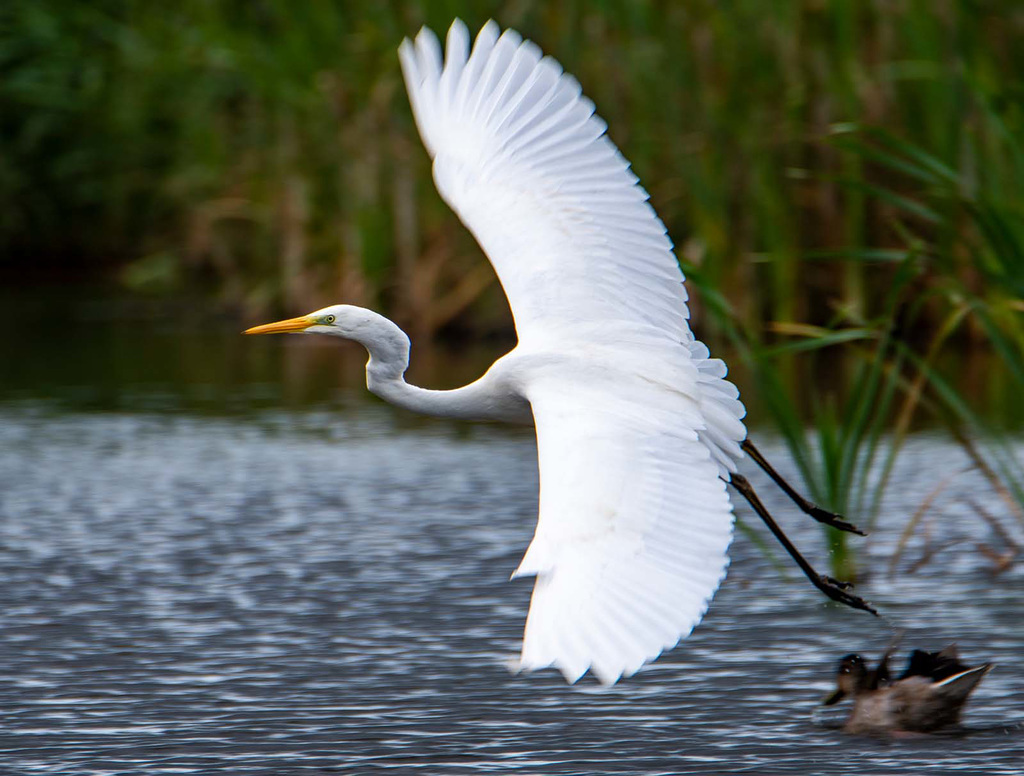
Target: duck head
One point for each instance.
(851, 678)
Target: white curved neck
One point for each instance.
(485, 399)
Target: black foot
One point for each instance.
(819, 514)
(832, 519)
(833, 588)
(837, 591)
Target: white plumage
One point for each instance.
(635, 422)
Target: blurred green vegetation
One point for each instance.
(265, 152)
(844, 180)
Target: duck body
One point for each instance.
(928, 696)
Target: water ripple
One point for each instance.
(301, 593)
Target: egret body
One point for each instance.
(638, 431)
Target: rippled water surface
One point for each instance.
(328, 592)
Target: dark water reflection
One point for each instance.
(328, 592)
(84, 348)
(93, 351)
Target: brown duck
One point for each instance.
(927, 696)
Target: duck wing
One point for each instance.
(934, 665)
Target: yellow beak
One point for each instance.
(292, 325)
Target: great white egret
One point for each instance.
(638, 431)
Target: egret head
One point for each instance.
(388, 344)
(341, 320)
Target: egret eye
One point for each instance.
(329, 319)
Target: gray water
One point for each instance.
(327, 592)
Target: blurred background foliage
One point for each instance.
(844, 181)
(265, 151)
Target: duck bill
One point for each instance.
(290, 326)
(834, 698)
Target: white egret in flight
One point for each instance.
(638, 431)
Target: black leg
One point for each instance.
(819, 514)
(833, 588)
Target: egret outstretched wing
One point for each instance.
(633, 532)
(635, 421)
(520, 156)
(523, 160)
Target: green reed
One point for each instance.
(265, 151)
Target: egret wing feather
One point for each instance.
(523, 160)
(634, 527)
(521, 157)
